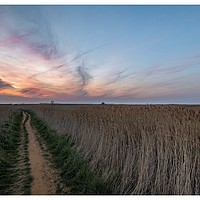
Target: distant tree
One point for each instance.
(103, 103)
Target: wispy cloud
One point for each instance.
(117, 77)
(25, 26)
(160, 70)
(80, 55)
(84, 77)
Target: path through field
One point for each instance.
(41, 170)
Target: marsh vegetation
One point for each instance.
(121, 149)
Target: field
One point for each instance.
(118, 149)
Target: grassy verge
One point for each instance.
(74, 171)
(27, 178)
(9, 143)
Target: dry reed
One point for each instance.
(137, 149)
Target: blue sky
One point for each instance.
(116, 54)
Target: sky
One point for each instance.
(94, 53)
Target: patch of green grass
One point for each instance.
(27, 177)
(75, 172)
(9, 143)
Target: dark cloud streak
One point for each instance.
(84, 77)
(32, 91)
(117, 77)
(88, 51)
(4, 84)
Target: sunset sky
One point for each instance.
(90, 54)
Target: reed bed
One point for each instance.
(152, 149)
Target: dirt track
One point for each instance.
(41, 171)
